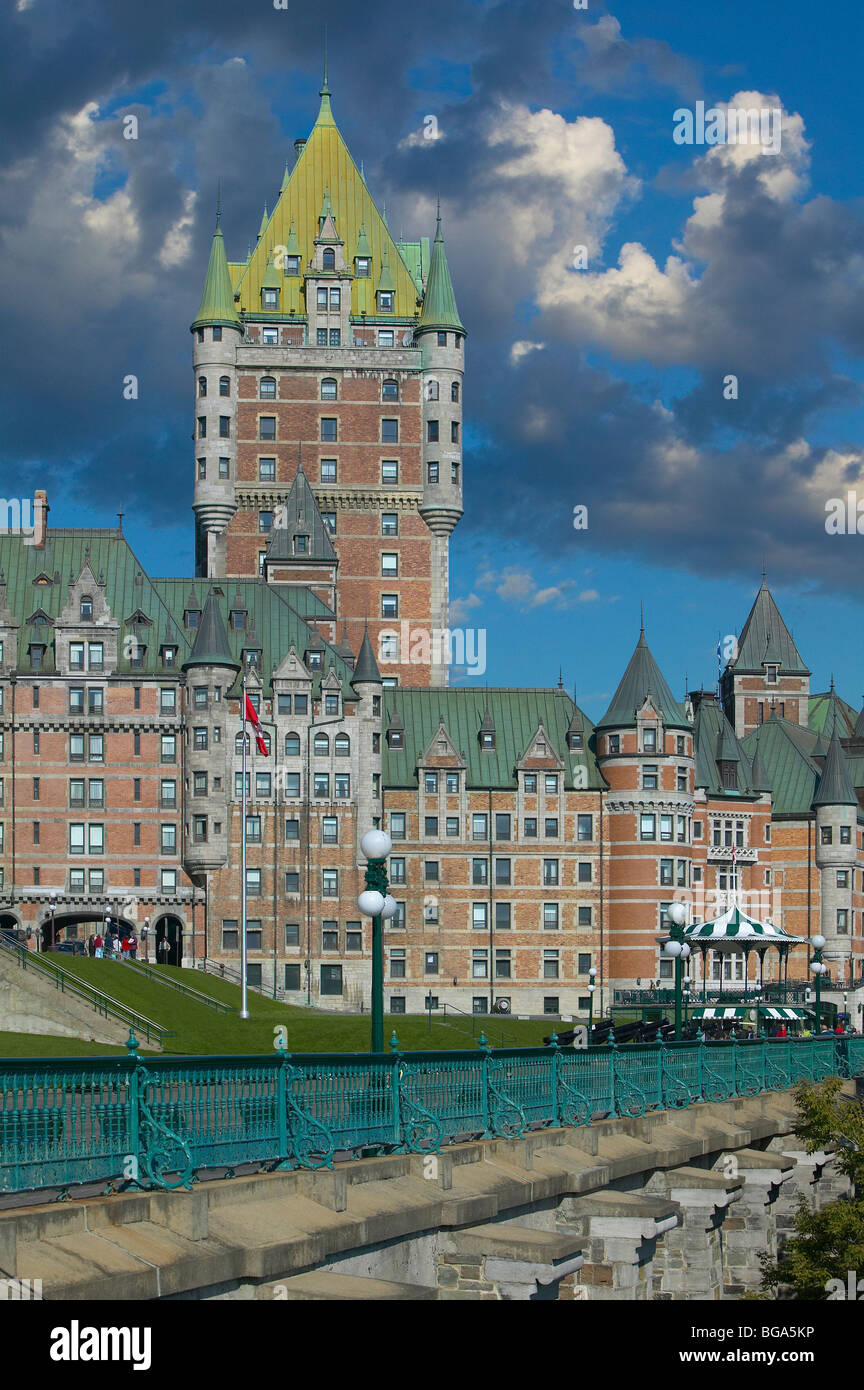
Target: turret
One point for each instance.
(210, 667)
(216, 333)
(836, 807)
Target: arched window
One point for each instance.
(267, 388)
(454, 390)
(292, 745)
(328, 260)
(202, 386)
(238, 743)
(390, 390)
(322, 744)
(432, 390)
(342, 746)
(86, 609)
(224, 386)
(328, 388)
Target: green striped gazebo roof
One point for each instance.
(736, 929)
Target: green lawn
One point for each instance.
(198, 1029)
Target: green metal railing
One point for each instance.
(158, 976)
(121, 1121)
(104, 1004)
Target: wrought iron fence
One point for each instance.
(124, 1122)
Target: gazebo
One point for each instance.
(735, 932)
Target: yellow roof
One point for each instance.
(325, 167)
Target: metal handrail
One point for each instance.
(152, 972)
(104, 1004)
(234, 977)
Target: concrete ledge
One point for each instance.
(321, 1284)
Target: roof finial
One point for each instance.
(832, 682)
(560, 678)
(641, 619)
(764, 572)
(219, 200)
(325, 90)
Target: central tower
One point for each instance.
(335, 350)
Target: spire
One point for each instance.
(301, 516)
(835, 785)
(325, 113)
(366, 667)
(643, 677)
(765, 637)
(292, 245)
(385, 280)
(363, 247)
(217, 299)
(439, 303)
(211, 646)
(265, 218)
(759, 779)
(271, 279)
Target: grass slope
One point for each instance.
(200, 1030)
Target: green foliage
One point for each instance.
(825, 1246)
(827, 1243)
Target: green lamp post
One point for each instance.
(679, 950)
(376, 902)
(818, 969)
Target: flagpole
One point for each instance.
(244, 1010)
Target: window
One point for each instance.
(292, 829)
(583, 916)
(845, 834)
(397, 825)
(551, 917)
(76, 656)
(202, 426)
(329, 386)
(291, 781)
(95, 748)
(479, 971)
(353, 936)
(649, 740)
(386, 338)
(167, 839)
(550, 872)
(842, 921)
(342, 745)
(262, 783)
(390, 564)
(585, 872)
(452, 826)
(614, 743)
(432, 473)
(479, 871)
(825, 834)
(551, 965)
(385, 301)
(267, 427)
(430, 826)
(452, 783)
(389, 471)
(329, 428)
(389, 431)
(329, 883)
(224, 426)
(502, 871)
(390, 390)
(267, 470)
(479, 916)
(647, 827)
(551, 827)
(479, 826)
(167, 794)
(681, 779)
(430, 963)
(253, 883)
(502, 827)
(329, 830)
(199, 784)
(331, 978)
(454, 431)
(292, 978)
(267, 388)
(397, 963)
(649, 776)
(76, 699)
(529, 829)
(390, 609)
(666, 828)
(362, 266)
(502, 964)
(224, 468)
(666, 873)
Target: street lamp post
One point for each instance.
(678, 949)
(592, 973)
(375, 902)
(819, 969)
(146, 935)
(53, 900)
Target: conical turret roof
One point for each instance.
(366, 668)
(211, 646)
(217, 300)
(439, 303)
(835, 785)
(766, 637)
(643, 678)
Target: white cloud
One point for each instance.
(177, 245)
(522, 349)
(461, 607)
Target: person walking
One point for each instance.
(124, 947)
(98, 947)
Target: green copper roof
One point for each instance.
(385, 279)
(292, 245)
(714, 741)
(366, 667)
(515, 716)
(786, 752)
(217, 301)
(301, 517)
(767, 638)
(439, 303)
(642, 678)
(211, 647)
(760, 780)
(827, 710)
(363, 247)
(835, 784)
(265, 218)
(272, 279)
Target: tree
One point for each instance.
(827, 1244)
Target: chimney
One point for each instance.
(299, 147)
(40, 518)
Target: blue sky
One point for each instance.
(601, 386)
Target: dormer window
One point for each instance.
(363, 266)
(301, 545)
(269, 298)
(727, 776)
(395, 738)
(771, 674)
(649, 740)
(37, 655)
(252, 657)
(238, 619)
(86, 609)
(328, 258)
(487, 740)
(192, 617)
(292, 265)
(139, 656)
(314, 660)
(168, 655)
(574, 739)
(385, 301)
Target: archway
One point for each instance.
(77, 924)
(10, 928)
(169, 941)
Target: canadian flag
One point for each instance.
(252, 718)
